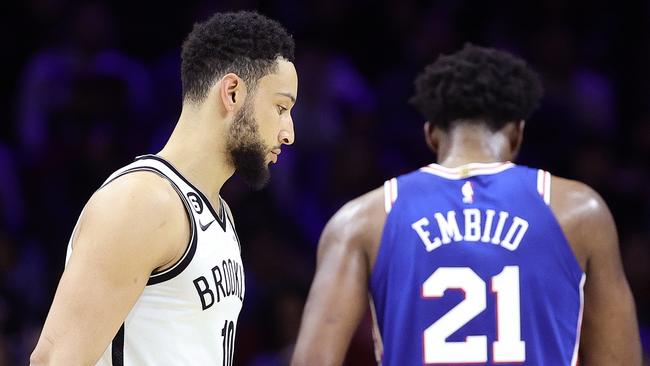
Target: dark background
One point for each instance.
(86, 86)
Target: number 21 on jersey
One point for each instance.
(507, 348)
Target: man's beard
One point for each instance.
(246, 149)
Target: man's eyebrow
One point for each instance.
(289, 95)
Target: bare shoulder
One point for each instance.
(144, 186)
(609, 334)
(576, 193)
(129, 228)
(357, 225)
(583, 216)
(576, 202)
(137, 212)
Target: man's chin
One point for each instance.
(251, 165)
(257, 180)
(260, 184)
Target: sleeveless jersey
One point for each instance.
(187, 314)
(473, 268)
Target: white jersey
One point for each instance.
(187, 314)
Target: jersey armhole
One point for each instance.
(390, 194)
(378, 342)
(544, 186)
(182, 263)
(178, 266)
(377, 273)
(544, 179)
(231, 219)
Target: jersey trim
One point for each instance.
(574, 359)
(376, 332)
(117, 348)
(232, 223)
(184, 261)
(221, 217)
(390, 194)
(544, 191)
(467, 170)
(544, 185)
(179, 266)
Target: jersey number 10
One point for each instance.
(228, 342)
(507, 348)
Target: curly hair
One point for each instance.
(477, 84)
(245, 43)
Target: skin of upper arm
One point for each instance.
(609, 334)
(339, 294)
(127, 230)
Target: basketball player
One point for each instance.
(154, 274)
(473, 260)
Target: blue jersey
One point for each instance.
(473, 268)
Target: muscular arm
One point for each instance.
(609, 334)
(128, 229)
(339, 294)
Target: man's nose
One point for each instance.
(286, 135)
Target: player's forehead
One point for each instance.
(282, 82)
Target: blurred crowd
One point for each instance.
(87, 86)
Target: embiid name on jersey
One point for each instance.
(479, 227)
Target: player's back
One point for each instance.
(473, 268)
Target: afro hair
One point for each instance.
(245, 43)
(477, 84)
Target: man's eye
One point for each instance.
(281, 109)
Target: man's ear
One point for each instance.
(431, 136)
(232, 92)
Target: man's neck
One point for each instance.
(472, 144)
(198, 152)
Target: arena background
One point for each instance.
(86, 86)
